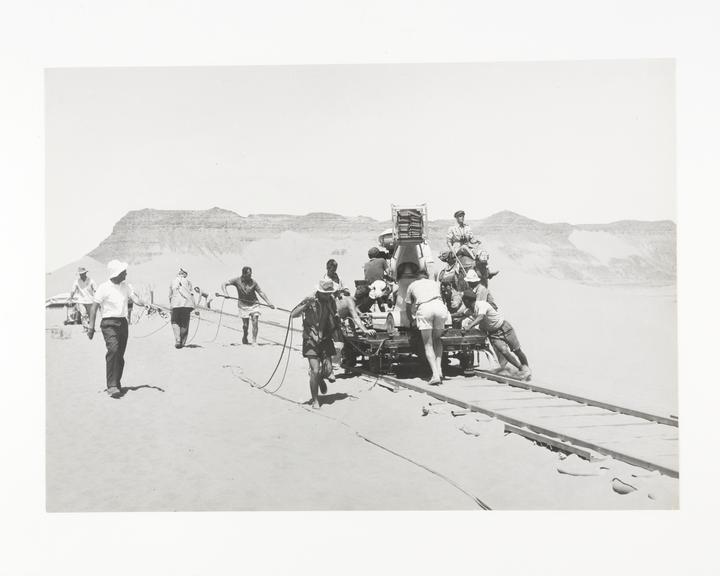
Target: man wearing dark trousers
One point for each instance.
(112, 299)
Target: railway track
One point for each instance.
(566, 422)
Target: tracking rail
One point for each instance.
(563, 421)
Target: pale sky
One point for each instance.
(578, 142)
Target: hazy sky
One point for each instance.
(573, 141)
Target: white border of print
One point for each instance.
(47, 33)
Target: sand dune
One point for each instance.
(192, 434)
(616, 343)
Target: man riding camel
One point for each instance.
(462, 242)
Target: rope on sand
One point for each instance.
(304, 405)
(222, 306)
(154, 331)
(195, 332)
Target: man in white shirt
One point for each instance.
(425, 308)
(481, 314)
(112, 298)
(182, 302)
(83, 291)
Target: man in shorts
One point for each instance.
(425, 308)
(248, 304)
(320, 324)
(84, 288)
(481, 314)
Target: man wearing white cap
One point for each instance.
(85, 289)
(182, 303)
(320, 324)
(112, 298)
(475, 284)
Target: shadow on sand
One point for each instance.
(125, 389)
(332, 398)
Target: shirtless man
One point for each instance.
(248, 304)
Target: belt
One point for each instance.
(431, 299)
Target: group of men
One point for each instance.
(462, 293)
(114, 298)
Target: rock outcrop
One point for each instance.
(628, 252)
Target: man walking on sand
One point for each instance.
(320, 323)
(248, 304)
(85, 289)
(182, 303)
(111, 298)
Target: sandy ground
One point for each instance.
(612, 343)
(191, 434)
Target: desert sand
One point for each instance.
(192, 434)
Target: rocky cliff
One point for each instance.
(628, 252)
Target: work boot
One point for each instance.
(245, 340)
(114, 392)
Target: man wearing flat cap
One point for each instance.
(460, 235)
(84, 287)
(461, 242)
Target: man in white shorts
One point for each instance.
(248, 304)
(425, 309)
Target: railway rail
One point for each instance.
(562, 421)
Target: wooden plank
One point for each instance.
(669, 420)
(629, 458)
(547, 441)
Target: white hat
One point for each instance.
(115, 268)
(377, 288)
(472, 276)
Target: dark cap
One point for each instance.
(459, 213)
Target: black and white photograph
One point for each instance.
(359, 288)
(362, 287)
